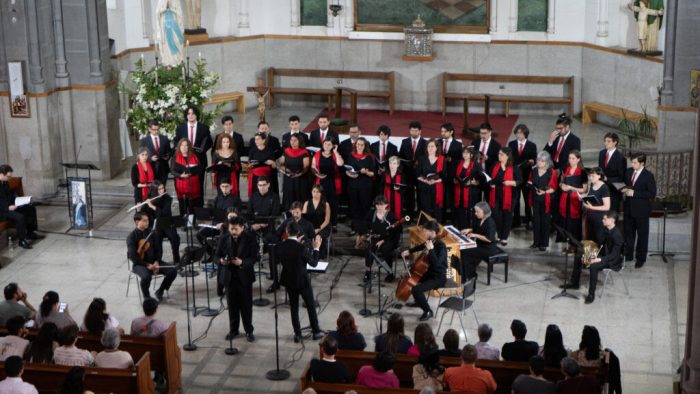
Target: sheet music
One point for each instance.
(322, 266)
(20, 201)
(313, 149)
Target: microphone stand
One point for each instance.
(367, 287)
(189, 346)
(568, 238)
(276, 374)
(260, 301)
(381, 264)
(230, 350)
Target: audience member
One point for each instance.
(346, 334)
(379, 375)
(52, 311)
(41, 348)
(451, 342)
(112, 357)
(468, 377)
(327, 369)
(520, 349)
(553, 349)
(484, 349)
(574, 382)
(74, 383)
(147, 325)
(393, 340)
(13, 383)
(428, 372)
(422, 336)
(427, 390)
(11, 307)
(14, 343)
(97, 319)
(534, 383)
(68, 353)
(589, 353)
(309, 391)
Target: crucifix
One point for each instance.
(260, 97)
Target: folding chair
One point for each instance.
(459, 304)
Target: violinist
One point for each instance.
(187, 170)
(469, 176)
(142, 175)
(145, 252)
(435, 253)
(307, 230)
(385, 235)
(484, 233)
(158, 205)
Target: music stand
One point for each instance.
(188, 258)
(363, 228)
(269, 220)
(381, 264)
(277, 373)
(666, 206)
(573, 241)
(88, 192)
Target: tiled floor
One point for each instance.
(645, 328)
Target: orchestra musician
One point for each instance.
(158, 150)
(594, 213)
(614, 165)
(307, 229)
(484, 233)
(326, 165)
(543, 183)
(224, 200)
(505, 177)
(225, 157)
(382, 151)
(295, 253)
(263, 204)
(384, 235)
(294, 129)
(412, 148)
(295, 164)
(430, 172)
(236, 252)
(187, 170)
(435, 277)
(469, 178)
(159, 205)
(262, 162)
(394, 188)
(23, 217)
(360, 181)
(317, 210)
(145, 253)
(524, 157)
(451, 150)
(142, 175)
(639, 191)
(572, 185)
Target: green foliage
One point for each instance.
(642, 130)
(314, 13)
(532, 15)
(166, 99)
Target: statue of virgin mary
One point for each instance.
(169, 37)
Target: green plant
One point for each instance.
(635, 132)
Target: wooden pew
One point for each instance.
(164, 351)
(273, 72)
(15, 184)
(592, 109)
(47, 378)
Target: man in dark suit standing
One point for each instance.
(317, 136)
(520, 349)
(306, 228)
(524, 157)
(294, 128)
(412, 148)
(382, 150)
(294, 255)
(227, 122)
(199, 136)
(639, 191)
(614, 166)
(452, 152)
(561, 142)
(488, 147)
(237, 251)
(158, 150)
(348, 145)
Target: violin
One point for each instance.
(143, 246)
(412, 278)
(361, 240)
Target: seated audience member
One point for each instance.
(112, 357)
(484, 350)
(147, 325)
(451, 342)
(74, 382)
(13, 383)
(422, 336)
(589, 353)
(520, 349)
(309, 390)
(68, 353)
(534, 383)
(41, 348)
(97, 319)
(346, 334)
(11, 306)
(468, 377)
(428, 372)
(553, 349)
(327, 369)
(14, 343)
(50, 310)
(393, 340)
(380, 374)
(574, 382)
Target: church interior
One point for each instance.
(100, 99)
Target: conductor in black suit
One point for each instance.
(294, 255)
(319, 135)
(639, 192)
(158, 150)
(561, 142)
(488, 147)
(614, 166)
(199, 136)
(237, 251)
(524, 157)
(411, 150)
(451, 149)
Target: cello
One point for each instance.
(412, 278)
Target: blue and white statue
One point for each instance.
(169, 35)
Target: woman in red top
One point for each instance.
(572, 183)
(226, 156)
(142, 176)
(187, 170)
(326, 165)
(468, 178)
(504, 178)
(543, 181)
(295, 164)
(394, 187)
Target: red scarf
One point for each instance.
(337, 180)
(570, 199)
(295, 152)
(145, 177)
(187, 186)
(257, 172)
(462, 190)
(389, 189)
(359, 156)
(439, 190)
(551, 184)
(507, 190)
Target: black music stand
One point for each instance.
(573, 241)
(666, 206)
(88, 192)
(277, 373)
(381, 265)
(189, 258)
(259, 235)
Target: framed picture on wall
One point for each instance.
(19, 104)
(78, 206)
(453, 16)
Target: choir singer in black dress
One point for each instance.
(505, 178)
(431, 186)
(363, 167)
(468, 179)
(542, 184)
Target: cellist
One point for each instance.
(145, 253)
(435, 254)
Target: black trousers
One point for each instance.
(424, 285)
(146, 275)
(525, 193)
(24, 219)
(595, 230)
(636, 229)
(360, 202)
(239, 298)
(174, 238)
(540, 224)
(504, 221)
(307, 294)
(594, 271)
(471, 258)
(385, 252)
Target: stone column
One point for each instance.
(602, 34)
(513, 18)
(244, 19)
(60, 63)
(295, 20)
(3, 57)
(493, 28)
(670, 20)
(550, 16)
(36, 71)
(330, 19)
(93, 36)
(349, 15)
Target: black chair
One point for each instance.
(499, 258)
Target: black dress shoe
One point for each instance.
(427, 315)
(250, 337)
(638, 264)
(573, 286)
(590, 298)
(23, 243)
(533, 246)
(543, 249)
(159, 294)
(297, 338)
(232, 335)
(318, 335)
(272, 288)
(389, 278)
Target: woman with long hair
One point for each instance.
(187, 170)
(468, 179)
(295, 164)
(262, 161)
(318, 211)
(360, 181)
(51, 310)
(225, 156)
(430, 172)
(422, 336)
(504, 179)
(553, 349)
(573, 185)
(543, 183)
(142, 175)
(97, 319)
(326, 165)
(393, 340)
(40, 350)
(428, 372)
(346, 334)
(395, 187)
(590, 352)
(595, 230)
